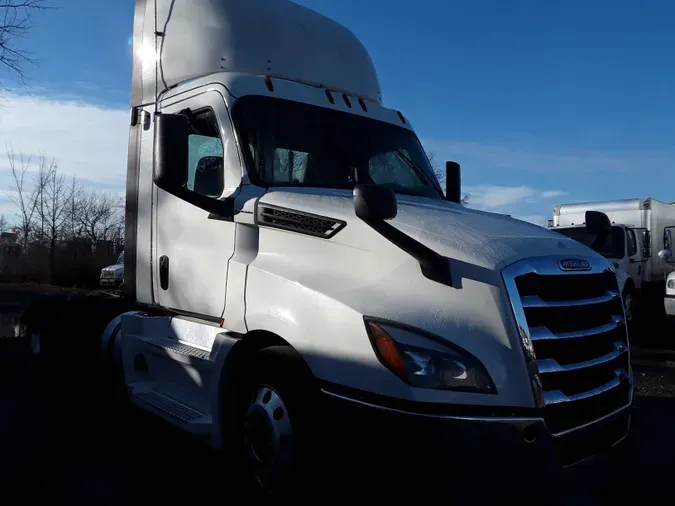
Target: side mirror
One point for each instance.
(209, 176)
(171, 151)
(665, 254)
(453, 182)
(374, 203)
(597, 223)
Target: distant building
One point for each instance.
(8, 238)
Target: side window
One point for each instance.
(289, 166)
(632, 243)
(205, 170)
(667, 238)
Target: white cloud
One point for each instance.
(551, 194)
(492, 197)
(86, 140)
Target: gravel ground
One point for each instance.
(62, 448)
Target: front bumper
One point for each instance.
(669, 304)
(478, 457)
(110, 282)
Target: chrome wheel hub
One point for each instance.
(269, 439)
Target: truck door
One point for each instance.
(634, 255)
(192, 250)
(668, 236)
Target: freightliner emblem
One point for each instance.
(574, 264)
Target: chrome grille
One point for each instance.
(573, 333)
(107, 274)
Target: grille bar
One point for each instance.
(556, 396)
(550, 365)
(542, 333)
(536, 301)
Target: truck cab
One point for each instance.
(112, 276)
(669, 301)
(292, 258)
(622, 249)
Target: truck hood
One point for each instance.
(479, 238)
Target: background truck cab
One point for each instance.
(623, 250)
(113, 275)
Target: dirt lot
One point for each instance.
(61, 448)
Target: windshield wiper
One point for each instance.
(420, 173)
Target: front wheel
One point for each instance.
(275, 429)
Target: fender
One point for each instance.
(623, 278)
(329, 336)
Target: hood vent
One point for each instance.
(298, 221)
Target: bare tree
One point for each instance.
(23, 198)
(54, 202)
(73, 227)
(40, 181)
(100, 216)
(440, 175)
(3, 223)
(15, 23)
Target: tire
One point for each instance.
(274, 430)
(613, 475)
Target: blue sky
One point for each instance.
(541, 102)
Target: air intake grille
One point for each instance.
(572, 327)
(297, 221)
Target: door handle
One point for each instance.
(164, 272)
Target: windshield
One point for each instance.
(120, 259)
(289, 143)
(612, 247)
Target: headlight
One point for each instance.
(671, 283)
(431, 364)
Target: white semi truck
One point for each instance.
(289, 250)
(639, 245)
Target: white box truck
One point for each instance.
(669, 299)
(290, 258)
(639, 246)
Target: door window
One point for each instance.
(205, 152)
(631, 243)
(668, 234)
(667, 239)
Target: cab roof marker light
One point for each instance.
(400, 116)
(346, 99)
(363, 105)
(330, 97)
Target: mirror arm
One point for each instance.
(434, 266)
(220, 209)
